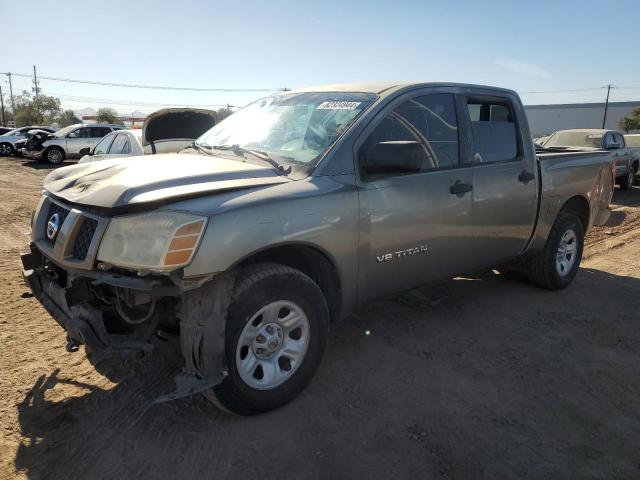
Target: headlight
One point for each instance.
(155, 241)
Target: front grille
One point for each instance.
(62, 213)
(83, 240)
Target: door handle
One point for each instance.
(459, 188)
(525, 177)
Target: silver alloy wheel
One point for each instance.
(567, 252)
(5, 149)
(272, 345)
(54, 156)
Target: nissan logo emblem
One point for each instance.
(52, 226)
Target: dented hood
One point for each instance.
(154, 178)
(177, 123)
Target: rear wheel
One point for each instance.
(556, 265)
(6, 149)
(627, 181)
(54, 155)
(277, 329)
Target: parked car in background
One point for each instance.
(598, 139)
(165, 131)
(633, 143)
(67, 142)
(8, 140)
(4, 130)
(293, 213)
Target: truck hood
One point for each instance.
(155, 178)
(177, 123)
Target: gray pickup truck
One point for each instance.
(294, 212)
(584, 139)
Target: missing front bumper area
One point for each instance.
(80, 304)
(73, 299)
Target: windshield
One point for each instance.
(575, 139)
(63, 131)
(632, 140)
(297, 128)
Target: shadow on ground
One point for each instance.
(488, 378)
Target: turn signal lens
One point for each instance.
(183, 244)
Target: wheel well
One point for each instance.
(313, 263)
(580, 206)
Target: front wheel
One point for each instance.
(556, 265)
(54, 155)
(277, 329)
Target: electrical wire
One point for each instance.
(153, 87)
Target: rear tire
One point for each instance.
(278, 319)
(6, 149)
(54, 155)
(627, 181)
(556, 265)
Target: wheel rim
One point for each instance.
(567, 252)
(272, 345)
(54, 156)
(5, 150)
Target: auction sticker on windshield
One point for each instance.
(338, 105)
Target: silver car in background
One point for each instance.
(169, 130)
(67, 142)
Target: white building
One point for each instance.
(546, 119)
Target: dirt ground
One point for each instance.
(493, 378)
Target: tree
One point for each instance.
(67, 118)
(223, 113)
(40, 110)
(631, 122)
(107, 115)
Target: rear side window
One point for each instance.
(118, 145)
(103, 146)
(99, 132)
(494, 130)
(428, 122)
(619, 139)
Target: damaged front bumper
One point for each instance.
(70, 298)
(70, 302)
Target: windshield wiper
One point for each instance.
(202, 147)
(264, 156)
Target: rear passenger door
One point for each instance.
(504, 178)
(620, 154)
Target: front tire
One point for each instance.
(556, 265)
(54, 155)
(276, 333)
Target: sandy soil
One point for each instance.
(493, 378)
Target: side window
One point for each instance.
(127, 147)
(619, 140)
(77, 133)
(118, 145)
(103, 146)
(494, 130)
(99, 132)
(608, 139)
(419, 135)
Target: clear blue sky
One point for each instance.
(528, 46)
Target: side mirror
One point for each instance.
(85, 151)
(612, 146)
(394, 157)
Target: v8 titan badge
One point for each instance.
(408, 252)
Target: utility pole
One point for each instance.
(1, 107)
(35, 83)
(13, 104)
(606, 106)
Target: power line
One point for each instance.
(74, 98)
(153, 87)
